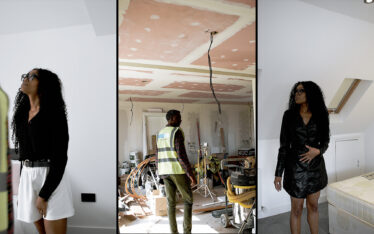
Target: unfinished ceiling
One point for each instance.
(163, 49)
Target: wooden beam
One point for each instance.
(210, 208)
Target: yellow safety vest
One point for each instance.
(3, 161)
(167, 156)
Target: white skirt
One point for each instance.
(60, 203)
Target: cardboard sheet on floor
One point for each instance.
(157, 203)
(125, 219)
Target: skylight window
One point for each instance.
(343, 94)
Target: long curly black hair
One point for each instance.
(315, 100)
(52, 103)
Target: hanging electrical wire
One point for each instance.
(132, 112)
(211, 72)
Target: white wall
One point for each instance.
(298, 41)
(86, 64)
(369, 148)
(236, 123)
(272, 202)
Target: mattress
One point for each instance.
(351, 204)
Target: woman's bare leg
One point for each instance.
(40, 226)
(55, 226)
(296, 212)
(312, 206)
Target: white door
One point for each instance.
(349, 159)
(153, 123)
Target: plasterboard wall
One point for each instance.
(236, 121)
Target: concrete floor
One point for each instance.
(280, 223)
(201, 223)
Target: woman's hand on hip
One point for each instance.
(41, 205)
(308, 156)
(278, 183)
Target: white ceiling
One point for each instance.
(103, 16)
(353, 8)
(20, 16)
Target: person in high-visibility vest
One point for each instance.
(6, 205)
(175, 169)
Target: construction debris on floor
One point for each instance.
(223, 200)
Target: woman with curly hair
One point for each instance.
(40, 135)
(304, 137)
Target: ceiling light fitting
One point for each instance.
(211, 32)
(368, 1)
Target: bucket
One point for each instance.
(126, 170)
(125, 164)
(134, 156)
(239, 212)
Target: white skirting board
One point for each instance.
(91, 230)
(29, 228)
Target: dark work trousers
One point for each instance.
(183, 184)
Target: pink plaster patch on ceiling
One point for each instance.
(161, 31)
(123, 69)
(210, 95)
(167, 100)
(237, 52)
(134, 81)
(203, 86)
(144, 92)
(251, 3)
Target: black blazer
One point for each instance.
(46, 137)
(302, 179)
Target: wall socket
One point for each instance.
(88, 197)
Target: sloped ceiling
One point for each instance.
(75, 12)
(355, 9)
(163, 48)
(48, 18)
(102, 16)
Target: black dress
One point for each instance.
(302, 178)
